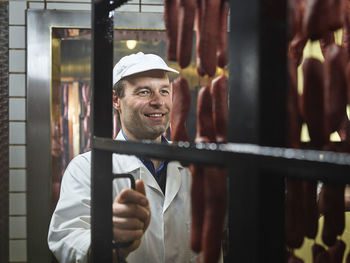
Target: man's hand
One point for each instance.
(131, 217)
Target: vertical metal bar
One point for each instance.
(4, 132)
(101, 115)
(257, 115)
(38, 134)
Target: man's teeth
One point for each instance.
(155, 115)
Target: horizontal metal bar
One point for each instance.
(307, 164)
(183, 152)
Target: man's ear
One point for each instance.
(116, 101)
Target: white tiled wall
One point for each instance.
(17, 180)
(17, 37)
(17, 110)
(17, 204)
(16, 12)
(18, 227)
(17, 60)
(18, 250)
(17, 85)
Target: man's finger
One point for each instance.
(131, 196)
(128, 223)
(140, 187)
(131, 211)
(122, 235)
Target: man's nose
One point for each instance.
(157, 99)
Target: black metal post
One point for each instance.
(101, 125)
(257, 116)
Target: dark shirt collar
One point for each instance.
(160, 174)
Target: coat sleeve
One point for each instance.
(69, 231)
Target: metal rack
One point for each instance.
(255, 157)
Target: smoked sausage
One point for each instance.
(293, 111)
(332, 206)
(198, 27)
(185, 32)
(316, 20)
(336, 252)
(294, 18)
(214, 215)
(205, 125)
(298, 42)
(326, 41)
(336, 14)
(181, 98)
(219, 96)
(205, 133)
(319, 254)
(171, 7)
(347, 73)
(310, 208)
(209, 36)
(209, 185)
(197, 207)
(222, 41)
(313, 101)
(346, 29)
(335, 88)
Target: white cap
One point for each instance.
(137, 63)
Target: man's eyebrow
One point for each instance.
(149, 88)
(141, 87)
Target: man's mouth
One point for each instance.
(155, 115)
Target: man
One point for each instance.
(155, 217)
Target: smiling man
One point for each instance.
(156, 216)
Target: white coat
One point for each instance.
(167, 238)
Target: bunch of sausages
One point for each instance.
(208, 192)
(322, 106)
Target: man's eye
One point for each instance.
(164, 92)
(143, 92)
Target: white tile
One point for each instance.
(17, 37)
(160, 2)
(17, 60)
(35, 5)
(17, 204)
(68, 6)
(17, 84)
(17, 13)
(17, 180)
(17, 133)
(17, 109)
(18, 250)
(18, 227)
(17, 158)
(153, 8)
(128, 8)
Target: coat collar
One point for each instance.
(126, 163)
(173, 183)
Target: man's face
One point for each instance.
(145, 108)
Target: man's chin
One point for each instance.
(155, 134)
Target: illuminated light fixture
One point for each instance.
(131, 44)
